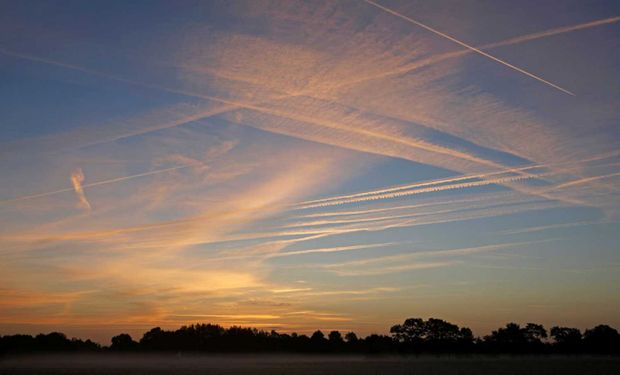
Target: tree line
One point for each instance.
(414, 336)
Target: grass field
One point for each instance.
(300, 365)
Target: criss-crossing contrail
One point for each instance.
(468, 46)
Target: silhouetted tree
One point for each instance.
(378, 344)
(414, 335)
(318, 341)
(52, 342)
(17, 344)
(335, 341)
(433, 335)
(351, 337)
(335, 337)
(534, 333)
(514, 339)
(566, 340)
(602, 339)
(411, 331)
(317, 336)
(123, 342)
(466, 337)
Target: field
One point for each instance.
(300, 365)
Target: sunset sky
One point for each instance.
(295, 165)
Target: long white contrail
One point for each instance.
(104, 182)
(468, 46)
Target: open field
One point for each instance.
(269, 364)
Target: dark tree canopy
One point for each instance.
(601, 339)
(335, 337)
(566, 339)
(432, 334)
(123, 342)
(351, 337)
(415, 335)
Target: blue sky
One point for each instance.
(300, 165)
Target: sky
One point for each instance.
(301, 165)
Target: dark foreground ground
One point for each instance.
(300, 365)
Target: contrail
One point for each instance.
(230, 107)
(586, 180)
(419, 185)
(77, 177)
(409, 215)
(430, 253)
(431, 189)
(552, 226)
(470, 47)
(386, 209)
(556, 31)
(411, 142)
(330, 249)
(458, 179)
(232, 104)
(316, 233)
(104, 182)
(507, 42)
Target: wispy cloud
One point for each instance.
(77, 177)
